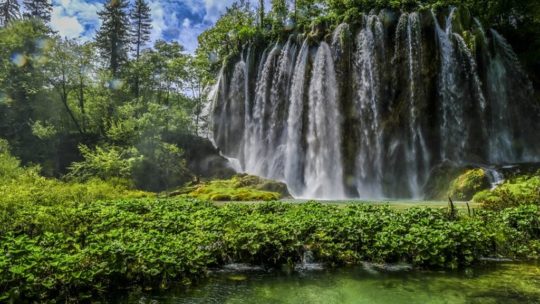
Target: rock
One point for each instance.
(465, 186)
(245, 180)
(440, 179)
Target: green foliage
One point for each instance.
(522, 190)
(104, 163)
(78, 251)
(9, 165)
(22, 187)
(39, 9)
(465, 186)
(235, 27)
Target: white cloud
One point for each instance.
(66, 26)
(158, 20)
(188, 35)
(75, 18)
(186, 23)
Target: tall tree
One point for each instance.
(113, 36)
(39, 9)
(141, 23)
(61, 74)
(261, 13)
(9, 10)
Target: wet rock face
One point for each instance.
(372, 109)
(204, 160)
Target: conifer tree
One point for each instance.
(113, 37)
(9, 10)
(261, 13)
(140, 26)
(40, 9)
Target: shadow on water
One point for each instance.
(491, 283)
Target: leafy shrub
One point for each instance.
(9, 165)
(104, 163)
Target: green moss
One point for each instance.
(241, 187)
(523, 190)
(465, 186)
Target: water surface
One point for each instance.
(496, 283)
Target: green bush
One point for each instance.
(105, 163)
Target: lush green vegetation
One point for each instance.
(77, 250)
(87, 129)
(70, 240)
(521, 190)
(97, 113)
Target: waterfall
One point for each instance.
(370, 110)
(323, 171)
(495, 177)
(505, 130)
(294, 156)
(417, 154)
(256, 143)
(279, 96)
(369, 166)
(454, 135)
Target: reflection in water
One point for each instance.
(500, 283)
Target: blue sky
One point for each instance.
(172, 20)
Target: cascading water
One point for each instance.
(453, 131)
(370, 112)
(505, 95)
(409, 38)
(323, 171)
(294, 158)
(369, 160)
(256, 142)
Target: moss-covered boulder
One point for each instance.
(466, 185)
(259, 183)
(241, 187)
(440, 179)
(455, 181)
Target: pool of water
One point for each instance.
(495, 283)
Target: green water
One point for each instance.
(497, 283)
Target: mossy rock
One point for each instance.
(259, 183)
(440, 179)
(241, 187)
(465, 186)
